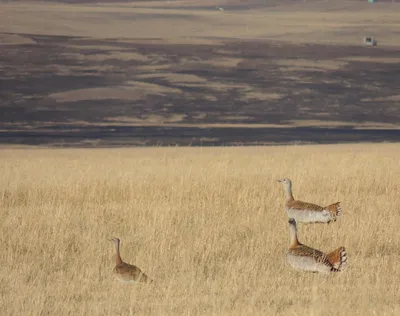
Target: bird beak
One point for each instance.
(279, 180)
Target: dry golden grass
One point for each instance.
(206, 223)
(306, 22)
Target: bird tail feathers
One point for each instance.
(338, 258)
(335, 210)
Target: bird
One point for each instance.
(307, 212)
(304, 258)
(125, 272)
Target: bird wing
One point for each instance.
(304, 251)
(304, 206)
(130, 271)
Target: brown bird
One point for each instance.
(126, 272)
(307, 212)
(304, 258)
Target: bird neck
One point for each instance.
(293, 236)
(288, 193)
(118, 259)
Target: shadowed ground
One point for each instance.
(206, 90)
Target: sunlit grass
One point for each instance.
(207, 224)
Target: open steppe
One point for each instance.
(206, 223)
(176, 72)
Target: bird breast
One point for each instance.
(308, 216)
(307, 263)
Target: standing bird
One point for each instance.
(126, 272)
(307, 212)
(304, 258)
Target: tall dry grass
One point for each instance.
(206, 223)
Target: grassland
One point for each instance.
(206, 223)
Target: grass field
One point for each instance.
(206, 223)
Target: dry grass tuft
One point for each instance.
(206, 223)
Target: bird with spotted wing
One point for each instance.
(307, 212)
(304, 258)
